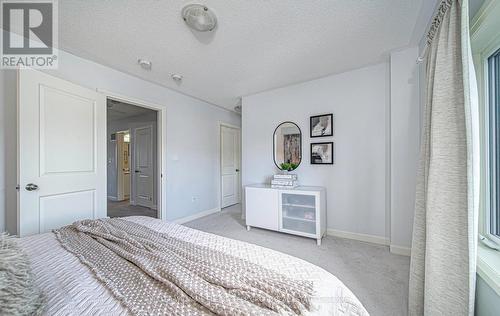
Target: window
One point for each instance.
(493, 216)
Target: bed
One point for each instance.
(71, 288)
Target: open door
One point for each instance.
(61, 153)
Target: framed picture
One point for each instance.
(322, 153)
(322, 125)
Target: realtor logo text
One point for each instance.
(29, 37)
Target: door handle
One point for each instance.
(137, 171)
(31, 187)
(237, 170)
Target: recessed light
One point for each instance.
(176, 77)
(145, 64)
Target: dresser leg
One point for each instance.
(248, 227)
(318, 241)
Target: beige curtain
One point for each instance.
(443, 258)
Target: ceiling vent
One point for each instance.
(199, 17)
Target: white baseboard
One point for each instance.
(196, 216)
(398, 250)
(379, 240)
(112, 198)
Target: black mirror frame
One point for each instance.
(274, 143)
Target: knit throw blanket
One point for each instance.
(156, 274)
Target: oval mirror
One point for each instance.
(287, 146)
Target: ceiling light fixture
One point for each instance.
(199, 17)
(145, 64)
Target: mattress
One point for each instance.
(71, 288)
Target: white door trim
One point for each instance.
(120, 195)
(161, 131)
(221, 124)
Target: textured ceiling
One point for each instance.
(258, 44)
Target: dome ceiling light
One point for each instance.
(199, 17)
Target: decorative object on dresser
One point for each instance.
(284, 181)
(322, 153)
(321, 125)
(288, 167)
(300, 211)
(287, 146)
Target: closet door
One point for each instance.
(61, 153)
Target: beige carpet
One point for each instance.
(378, 278)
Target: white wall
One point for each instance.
(3, 153)
(487, 300)
(8, 149)
(371, 186)
(356, 183)
(192, 135)
(405, 140)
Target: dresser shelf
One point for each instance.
(299, 219)
(298, 205)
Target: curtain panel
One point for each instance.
(443, 258)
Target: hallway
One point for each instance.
(123, 208)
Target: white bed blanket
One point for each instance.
(71, 288)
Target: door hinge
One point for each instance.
(18, 187)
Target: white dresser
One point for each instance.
(300, 211)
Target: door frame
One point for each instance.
(238, 128)
(119, 173)
(161, 138)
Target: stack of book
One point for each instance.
(284, 181)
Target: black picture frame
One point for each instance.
(274, 143)
(313, 120)
(316, 160)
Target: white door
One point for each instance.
(230, 166)
(62, 153)
(143, 166)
